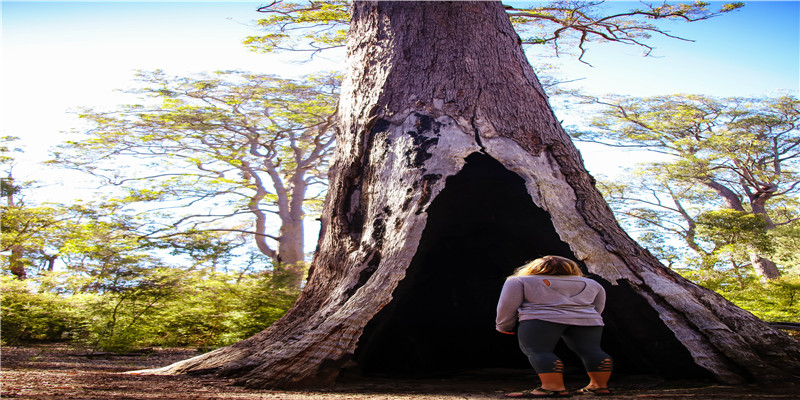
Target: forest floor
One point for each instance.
(59, 372)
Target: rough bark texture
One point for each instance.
(439, 99)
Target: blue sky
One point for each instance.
(57, 56)
(753, 51)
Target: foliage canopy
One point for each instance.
(251, 150)
(729, 174)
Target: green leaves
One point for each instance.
(164, 307)
(774, 301)
(30, 316)
(321, 25)
(736, 141)
(732, 6)
(6, 151)
(303, 26)
(736, 229)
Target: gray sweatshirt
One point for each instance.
(571, 300)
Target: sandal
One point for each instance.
(595, 391)
(529, 394)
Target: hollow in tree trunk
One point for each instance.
(450, 171)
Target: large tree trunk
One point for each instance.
(451, 170)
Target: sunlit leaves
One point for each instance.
(29, 316)
(7, 148)
(320, 25)
(774, 301)
(734, 228)
(161, 307)
(302, 26)
(750, 145)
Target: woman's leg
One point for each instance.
(585, 341)
(538, 339)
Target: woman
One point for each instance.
(551, 299)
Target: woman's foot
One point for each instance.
(538, 393)
(597, 391)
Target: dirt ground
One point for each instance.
(59, 372)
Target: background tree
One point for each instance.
(9, 190)
(740, 154)
(97, 243)
(24, 230)
(92, 279)
(230, 143)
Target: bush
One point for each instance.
(168, 308)
(773, 301)
(217, 309)
(261, 302)
(28, 316)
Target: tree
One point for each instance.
(440, 187)
(677, 221)
(8, 190)
(24, 232)
(736, 153)
(230, 143)
(98, 243)
(91, 278)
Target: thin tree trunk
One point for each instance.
(439, 96)
(15, 260)
(288, 260)
(291, 255)
(764, 267)
(291, 265)
(727, 195)
(16, 263)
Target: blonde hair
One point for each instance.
(549, 265)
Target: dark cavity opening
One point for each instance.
(481, 227)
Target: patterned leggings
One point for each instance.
(538, 339)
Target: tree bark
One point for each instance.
(288, 260)
(764, 267)
(435, 93)
(16, 263)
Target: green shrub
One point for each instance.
(166, 308)
(28, 316)
(217, 309)
(772, 301)
(261, 301)
(117, 319)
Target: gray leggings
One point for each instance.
(538, 339)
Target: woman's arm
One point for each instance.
(510, 300)
(600, 301)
